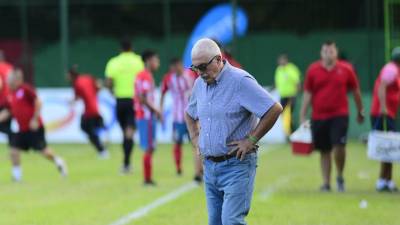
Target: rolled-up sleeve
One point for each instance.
(191, 109)
(253, 97)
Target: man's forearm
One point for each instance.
(193, 129)
(305, 104)
(358, 100)
(382, 97)
(38, 106)
(267, 121)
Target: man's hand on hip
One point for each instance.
(242, 147)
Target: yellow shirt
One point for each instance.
(287, 79)
(122, 69)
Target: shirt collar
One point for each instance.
(220, 76)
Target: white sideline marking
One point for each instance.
(161, 201)
(165, 199)
(267, 193)
(363, 175)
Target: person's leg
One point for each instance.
(320, 135)
(128, 144)
(17, 144)
(326, 169)
(340, 159)
(147, 166)
(88, 125)
(214, 196)
(16, 164)
(338, 138)
(292, 110)
(177, 148)
(37, 141)
(147, 135)
(237, 181)
(126, 120)
(58, 161)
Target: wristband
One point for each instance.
(253, 139)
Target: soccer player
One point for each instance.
(179, 83)
(120, 72)
(25, 108)
(85, 88)
(384, 107)
(146, 111)
(5, 70)
(326, 86)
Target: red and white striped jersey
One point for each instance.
(144, 85)
(180, 87)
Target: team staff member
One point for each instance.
(120, 73)
(25, 108)
(384, 107)
(222, 119)
(326, 86)
(146, 111)
(86, 88)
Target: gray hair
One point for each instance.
(205, 47)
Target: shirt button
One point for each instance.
(207, 134)
(209, 103)
(209, 119)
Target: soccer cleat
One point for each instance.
(126, 169)
(179, 172)
(62, 167)
(149, 183)
(104, 154)
(340, 184)
(392, 186)
(382, 185)
(16, 174)
(325, 188)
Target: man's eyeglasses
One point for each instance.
(202, 67)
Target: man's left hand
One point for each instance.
(360, 117)
(242, 147)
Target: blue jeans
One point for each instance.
(229, 187)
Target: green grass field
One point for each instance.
(286, 191)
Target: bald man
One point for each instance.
(226, 102)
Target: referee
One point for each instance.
(121, 72)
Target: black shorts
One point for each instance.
(29, 139)
(330, 132)
(125, 112)
(378, 122)
(91, 124)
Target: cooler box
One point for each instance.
(300, 148)
(301, 140)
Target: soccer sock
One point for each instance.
(147, 158)
(58, 161)
(178, 156)
(127, 145)
(17, 173)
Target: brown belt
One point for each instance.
(223, 158)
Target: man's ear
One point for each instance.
(219, 58)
